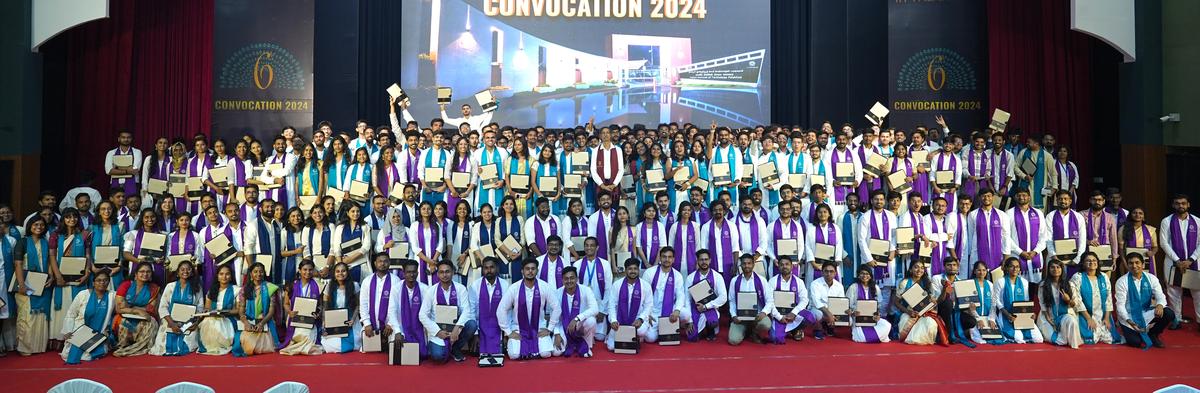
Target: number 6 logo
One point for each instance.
(264, 71)
(935, 75)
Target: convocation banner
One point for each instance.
(937, 63)
(262, 67)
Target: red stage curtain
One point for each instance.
(144, 69)
(1040, 71)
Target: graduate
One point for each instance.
(550, 265)
(722, 239)
(1136, 233)
(792, 323)
(407, 309)
(576, 331)
(437, 156)
(946, 160)
(685, 239)
(789, 227)
(865, 288)
(918, 328)
(600, 223)
(486, 294)
(125, 176)
(1013, 288)
(379, 303)
(1066, 224)
(92, 308)
(670, 299)
(1096, 321)
(350, 228)
(1030, 231)
(724, 152)
(539, 228)
(341, 292)
(1101, 225)
(958, 322)
(1002, 170)
(1178, 235)
(136, 297)
(495, 156)
(445, 344)
(840, 154)
(427, 242)
(596, 274)
(172, 338)
(819, 292)
(302, 340)
(940, 232)
(651, 236)
(747, 281)
(631, 304)
(991, 241)
(218, 332)
(979, 166)
(280, 156)
(1037, 182)
(1139, 304)
(521, 315)
(879, 224)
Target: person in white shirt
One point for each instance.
(475, 122)
(721, 238)
(486, 293)
(1140, 304)
(541, 227)
(670, 298)
(596, 274)
(522, 312)
(991, 241)
(1178, 235)
(752, 232)
(124, 176)
(452, 336)
(791, 320)
(880, 224)
(1029, 233)
(705, 314)
(379, 301)
(749, 282)
(631, 304)
(577, 331)
(551, 265)
(820, 291)
(1066, 224)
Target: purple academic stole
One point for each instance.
(668, 304)
(189, 244)
(758, 289)
(441, 296)
(983, 170)
(725, 258)
(489, 326)
(881, 233)
(869, 333)
(378, 314)
(840, 192)
(685, 246)
(558, 268)
(753, 224)
(1100, 235)
(410, 307)
(602, 237)
(527, 320)
(1066, 175)
(576, 345)
(710, 314)
(1061, 233)
(989, 240)
(1028, 234)
(1184, 250)
(1000, 180)
(628, 304)
(650, 241)
(779, 332)
(939, 251)
(540, 237)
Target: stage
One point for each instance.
(832, 364)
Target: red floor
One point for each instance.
(833, 364)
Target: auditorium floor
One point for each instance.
(832, 364)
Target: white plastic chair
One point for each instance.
(79, 385)
(1179, 388)
(288, 387)
(186, 387)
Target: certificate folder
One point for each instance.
(824, 252)
(721, 175)
(625, 340)
(840, 308)
(877, 113)
(747, 306)
(844, 173)
(967, 293)
(784, 301)
(573, 185)
(879, 249)
(435, 177)
(445, 95)
(519, 183)
(866, 312)
(580, 162)
(488, 175)
(461, 181)
(548, 185)
(906, 241)
(86, 339)
(917, 299)
(655, 181)
(337, 322)
(788, 247)
(768, 172)
(72, 268)
(445, 316)
(107, 255)
(486, 101)
(221, 250)
(702, 293)
(1023, 311)
(306, 312)
(999, 120)
(1064, 249)
(36, 282)
(668, 332)
(153, 245)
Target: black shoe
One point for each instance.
(1157, 343)
(1175, 325)
(459, 358)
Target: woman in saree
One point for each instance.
(174, 338)
(864, 288)
(342, 293)
(1096, 322)
(136, 323)
(33, 311)
(93, 308)
(1057, 319)
(302, 340)
(916, 327)
(218, 332)
(255, 310)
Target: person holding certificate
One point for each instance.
(432, 166)
(1139, 304)
(947, 172)
(309, 178)
(1138, 236)
(751, 306)
(256, 312)
(864, 290)
(123, 164)
(958, 321)
(655, 161)
(651, 236)
(489, 162)
(518, 178)
(1030, 231)
(428, 242)
(878, 246)
(790, 319)
(351, 243)
(670, 301)
(1068, 235)
(1011, 289)
(820, 291)
(137, 323)
(991, 226)
(917, 327)
(92, 309)
(1096, 322)
(521, 315)
(461, 166)
(978, 167)
(538, 229)
(301, 311)
(682, 166)
(447, 317)
(1178, 236)
(218, 330)
(68, 266)
(341, 293)
(1033, 162)
(722, 239)
(34, 295)
(631, 304)
(180, 298)
(849, 170)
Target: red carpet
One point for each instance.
(832, 364)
